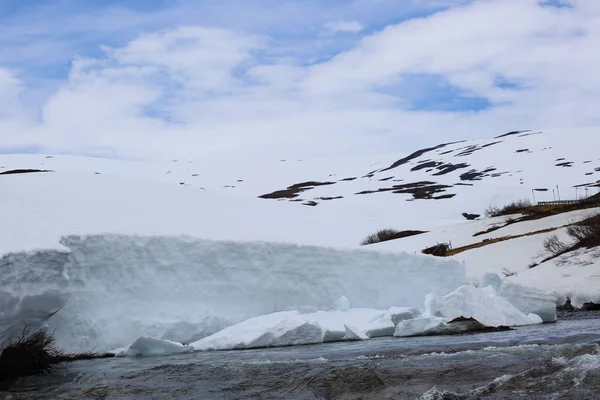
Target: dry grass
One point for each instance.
(584, 233)
(516, 207)
(487, 242)
(388, 234)
(33, 354)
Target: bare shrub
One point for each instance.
(388, 234)
(380, 236)
(507, 272)
(586, 233)
(516, 207)
(439, 250)
(33, 354)
(555, 246)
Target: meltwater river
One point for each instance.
(550, 361)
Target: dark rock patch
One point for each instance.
(424, 192)
(531, 133)
(474, 175)
(589, 173)
(587, 162)
(511, 133)
(541, 189)
(424, 165)
(330, 198)
(523, 151)
(416, 154)
(386, 179)
(567, 164)
(463, 184)
(468, 151)
(590, 306)
(471, 217)
(23, 171)
(560, 159)
(490, 144)
(444, 196)
(419, 190)
(446, 152)
(310, 203)
(293, 191)
(348, 179)
(447, 168)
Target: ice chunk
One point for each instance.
(333, 322)
(278, 329)
(435, 326)
(342, 304)
(380, 326)
(399, 314)
(526, 299)
(482, 304)
(535, 318)
(147, 346)
(385, 323)
(353, 333)
(420, 326)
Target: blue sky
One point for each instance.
(82, 75)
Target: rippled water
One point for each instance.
(551, 361)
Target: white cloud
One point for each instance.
(343, 26)
(199, 91)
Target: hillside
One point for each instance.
(320, 202)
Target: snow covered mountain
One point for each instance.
(271, 200)
(58, 209)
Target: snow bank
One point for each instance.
(29, 312)
(526, 299)
(482, 304)
(125, 287)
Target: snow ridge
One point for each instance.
(121, 287)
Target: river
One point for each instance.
(550, 361)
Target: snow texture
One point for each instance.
(121, 288)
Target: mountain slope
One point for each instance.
(46, 197)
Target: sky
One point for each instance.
(157, 79)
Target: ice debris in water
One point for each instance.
(526, 299)
(482, 304)
(146, 346)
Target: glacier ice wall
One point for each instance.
(180, 288)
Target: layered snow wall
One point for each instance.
(121, 288)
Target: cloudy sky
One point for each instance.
(289, 78)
